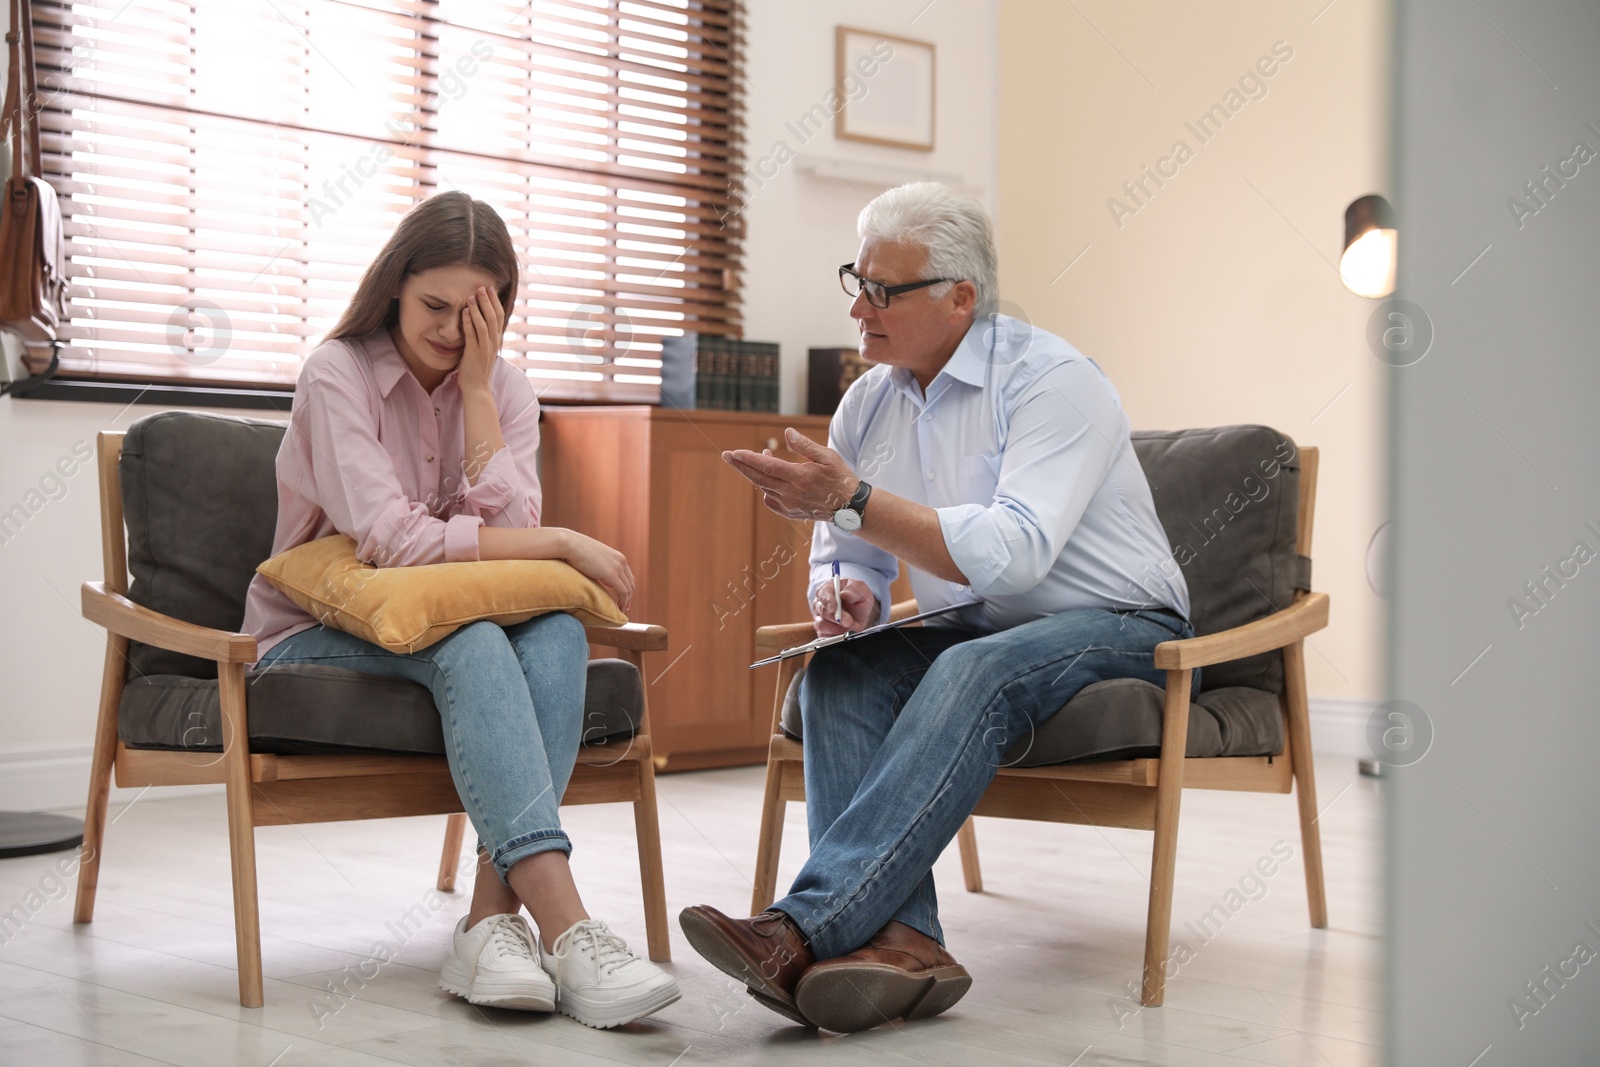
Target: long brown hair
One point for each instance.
(442, 231)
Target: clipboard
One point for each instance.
(824, 642)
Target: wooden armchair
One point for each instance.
(299, 781)
(1197, 476)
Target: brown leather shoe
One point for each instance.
(767, 953)
(900, 973)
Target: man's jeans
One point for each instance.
(903, 732)
(511, 704)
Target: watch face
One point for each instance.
(846, 519)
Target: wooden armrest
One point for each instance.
(122, 616)
(1305, 616)
(638, 636)
(770, 639)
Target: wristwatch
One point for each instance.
(848, 518)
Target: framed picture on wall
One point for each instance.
(886, 89)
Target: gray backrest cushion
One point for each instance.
(1228, 499)
(200, 499)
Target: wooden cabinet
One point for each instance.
(710, 562)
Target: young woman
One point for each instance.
(410, 435)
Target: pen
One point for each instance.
(838, 606)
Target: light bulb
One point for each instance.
(1367, 267)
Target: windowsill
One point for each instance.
(260, 398)
(162, 394)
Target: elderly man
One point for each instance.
(994, 460)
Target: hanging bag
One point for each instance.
(32, 282)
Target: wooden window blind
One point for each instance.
(227, 170)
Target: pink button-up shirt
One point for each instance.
(371, 454)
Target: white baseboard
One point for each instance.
(56, 777)
(1339, 727)
(11, 368)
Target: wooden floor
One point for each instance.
(1054, 945)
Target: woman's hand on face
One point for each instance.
(603, 564)
(483, 327)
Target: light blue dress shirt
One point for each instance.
(1021, 446)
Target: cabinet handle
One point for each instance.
(772, 443)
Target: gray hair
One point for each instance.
(951, 228)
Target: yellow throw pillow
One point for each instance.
(404, 609)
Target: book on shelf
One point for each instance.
(757, 375)
(710, 372)
(829, 372)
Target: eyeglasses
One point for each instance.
(878, 294)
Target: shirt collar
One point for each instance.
(971, 358)
(388, 365)
(969, 363)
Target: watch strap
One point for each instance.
(858, 502)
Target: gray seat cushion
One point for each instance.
(200, 501)
(302, 708)
(1120, 718)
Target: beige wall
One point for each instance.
(1217, 300)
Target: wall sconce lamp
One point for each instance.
(1367, 266)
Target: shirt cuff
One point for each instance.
(970, 538)
(495, 485)
(461, 538)
(822, 573)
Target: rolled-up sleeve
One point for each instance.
(355, 484)
(507, 493)
(857, 559)
(1058, 450)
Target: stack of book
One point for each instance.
(710, 372)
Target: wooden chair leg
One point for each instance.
(770, 844)
(967, 838)
(105, 751)
(647, 827)
(455, 828)
(1164, 853)
(241, 833)
(1305, 779)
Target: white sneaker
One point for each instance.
(602, 984)
(497, 963)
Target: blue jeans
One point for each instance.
(903, 732)
(511, 701)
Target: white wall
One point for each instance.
(800, 229)
(50, 657)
